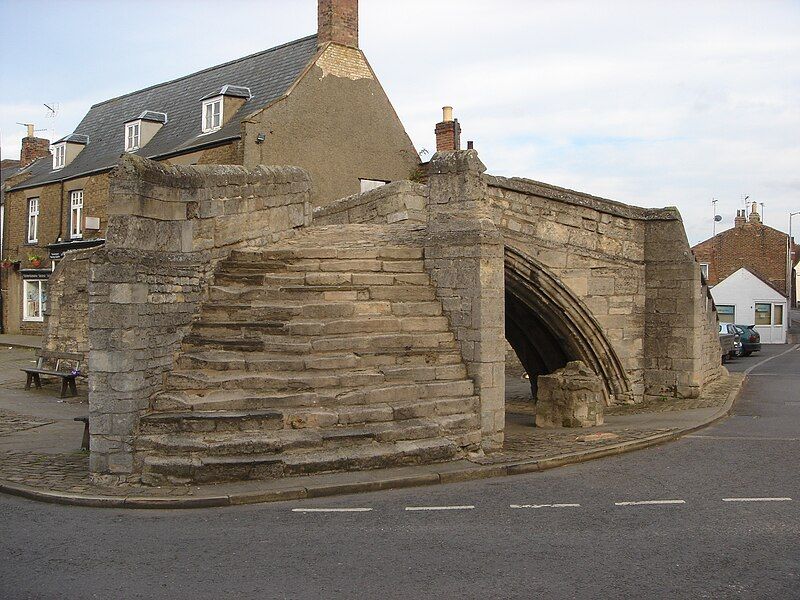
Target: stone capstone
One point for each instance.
(570, 397)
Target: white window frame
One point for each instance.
(76, 214)
(33, 220)
(133, 136)
(208, 110)
(41, 291)
(59, 155)
(704, 270)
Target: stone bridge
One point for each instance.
(235, 333)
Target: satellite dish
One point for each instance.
(718, 218)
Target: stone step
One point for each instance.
(281, 254)
(396, 272)
(374, 403)
(227, 441)
(273, 381)
(301, 378)
(207, 469)
(286, 311)
(358, 342)
(304, 328)
(222, 360)
(219, 421)
(294, 267)
(237, 400)
(310, 294)
(321, 293)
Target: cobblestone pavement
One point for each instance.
(70, 473)
(12, 422)
(714, 395)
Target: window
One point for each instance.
(777, 312)
(132, 136)
(763, 313)
(34, 301)
(33, 220)
(704, 270)
(371, 184)
(726, 313)
(212, 115)
(76, 214)
(59, 155)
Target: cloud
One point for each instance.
(671, 103)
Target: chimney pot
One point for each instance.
(337, 22)
(448, 132)
(30, 129)
(470, 145)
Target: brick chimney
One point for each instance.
(33, 148)
(754, 216)
(337, 22)
(740, 219)
(448, 132)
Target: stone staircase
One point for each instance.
(325, 353)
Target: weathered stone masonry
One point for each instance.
(389, 316)
(168, 227)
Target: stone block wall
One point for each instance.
(391, 203)
(594, 246)
(630, 267)
(66, 326)
(168, 227)
(681, 322)
(464, 258)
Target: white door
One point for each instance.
(770, 322)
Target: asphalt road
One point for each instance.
(707, 530)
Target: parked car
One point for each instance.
(729, 329)
(726, 341)
(751, 339)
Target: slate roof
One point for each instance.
(268, 74)
(7, 169)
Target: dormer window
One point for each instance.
(212, 114)
(140, 130)
(133, 132)
(59, 155)
(67, 148)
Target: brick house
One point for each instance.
(314, 103)
(749, 264)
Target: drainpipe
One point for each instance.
(61, 215)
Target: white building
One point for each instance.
(746, 299)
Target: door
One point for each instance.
(769, 322)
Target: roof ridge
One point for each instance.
(207, 69)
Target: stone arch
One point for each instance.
(548, 325)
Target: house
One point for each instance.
(745, 298)
(747, 269)
(314, 103)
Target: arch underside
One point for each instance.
(547, 325)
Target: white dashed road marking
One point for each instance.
(647, 502)
(756, 499)
(331, 510)
(543, 505)
(465, 507)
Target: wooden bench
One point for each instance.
(85, 441)
(55, 364)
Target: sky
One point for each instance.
(650, 103)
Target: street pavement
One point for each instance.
(713, 515)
